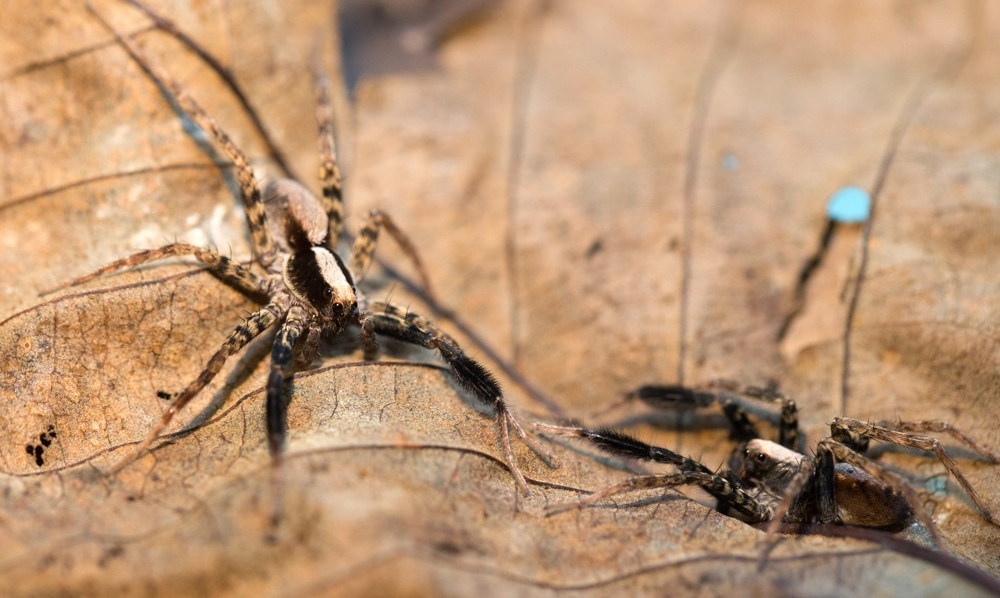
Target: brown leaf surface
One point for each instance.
(611, 193)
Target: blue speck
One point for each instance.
(730, 162)
(850, 205)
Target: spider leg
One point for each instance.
(796, 486)
(940, 427)
(332, 196)
(225, 269)
(264, 249)
(623, 445)
(788, 425)
(329, 172)
(282, 352)
(308, 348)
(657, 396)
(675, 397)
(369, 344)
(282, 363)
(742, 428)
(904, 436)
(391, 321)
(730, 496)
(250, 328)
(365, 243)
(679, 398)
(825, 468)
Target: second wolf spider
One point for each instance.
(772, 482)
(307, 290)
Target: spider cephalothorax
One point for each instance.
(306, 288)
(772, 481)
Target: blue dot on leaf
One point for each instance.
(850, 205)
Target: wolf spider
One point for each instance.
(306, 288)
(772, 482)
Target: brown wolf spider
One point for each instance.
(306, 288)
(772, 482)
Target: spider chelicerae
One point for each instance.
(774, 482)
(307, 290)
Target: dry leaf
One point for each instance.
(610, 195)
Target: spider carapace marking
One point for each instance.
(305, 287)
(772, 481)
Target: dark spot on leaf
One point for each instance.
(596, 246)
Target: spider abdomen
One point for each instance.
(865, 501)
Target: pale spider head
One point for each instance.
(319, 278)
(767, 465)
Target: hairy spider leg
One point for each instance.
(824, 467)
(389, 320)
(308, 349)
(794, 489)
(676, 397)
(788, 425)
(940, 427)
(264, 250)
(250, 328)
(332, 196)
(282, 352)
(624, 445)
(679, 398)
(903, 434)
(226, 75)
(692, 473)
(225, 269)
(329, 171)
(723, 490)
(367, 240)
(672, 396)
(282, 356)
